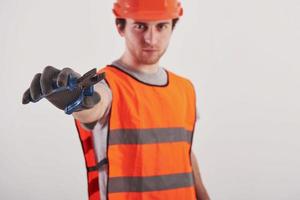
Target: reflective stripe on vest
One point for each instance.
(148, 136)
(150, 183)
(149, 140)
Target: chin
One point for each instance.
(150, 61)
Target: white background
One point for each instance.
(242, 56)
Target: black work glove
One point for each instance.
(45, 85)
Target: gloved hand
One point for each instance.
(53, 85)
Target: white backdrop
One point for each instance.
(242, 56)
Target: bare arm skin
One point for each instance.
(95, 113)
(199, 186)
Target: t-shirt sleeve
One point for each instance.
(105, 92)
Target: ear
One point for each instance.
(120, 30)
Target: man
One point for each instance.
(137, 126)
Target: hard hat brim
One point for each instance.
(153, 16)
(149, 15)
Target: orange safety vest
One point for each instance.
(150, 132)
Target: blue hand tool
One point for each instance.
(86, 84)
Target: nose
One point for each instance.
(151, 36)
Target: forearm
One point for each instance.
(90, 115)
(199, 186)
(95, 113)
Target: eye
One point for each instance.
(162, 26)
(140, 27)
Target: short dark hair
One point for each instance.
(121, 22)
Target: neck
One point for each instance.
(129, 62)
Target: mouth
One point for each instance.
(150, 50)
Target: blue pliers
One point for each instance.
(85, 83)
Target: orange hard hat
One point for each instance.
(148, 9)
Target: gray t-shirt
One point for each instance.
(158, 78)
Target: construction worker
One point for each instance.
(136, 126)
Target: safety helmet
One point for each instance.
(148, 9)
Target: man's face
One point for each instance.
(146, 41)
